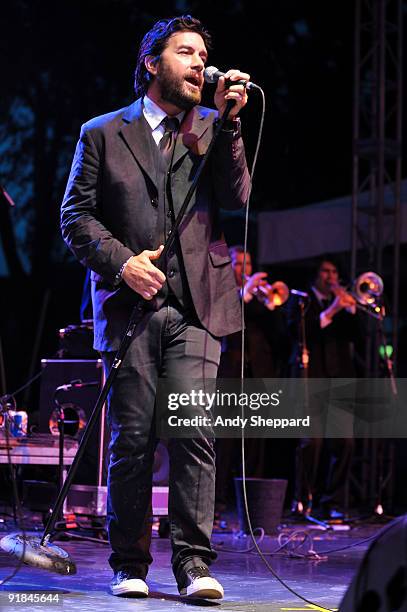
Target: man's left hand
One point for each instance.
(252, 285)
(237, 93)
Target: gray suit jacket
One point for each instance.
(110, 212)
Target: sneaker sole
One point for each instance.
(131, 588)
(204, 588)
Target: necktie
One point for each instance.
(171, 125)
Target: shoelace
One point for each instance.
(125, 575)
(198, 572)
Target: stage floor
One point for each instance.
(249, 587)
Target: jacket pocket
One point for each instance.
(219, 254)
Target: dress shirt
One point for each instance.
(323, 319)
(154, 116)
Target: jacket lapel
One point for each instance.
(194, 134)
(137, 135)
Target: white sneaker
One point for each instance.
(199, 583)
(126, 582)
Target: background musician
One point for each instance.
(332, 329)
(266, 352)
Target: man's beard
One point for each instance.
(173, 89)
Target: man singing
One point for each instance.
(130, 174)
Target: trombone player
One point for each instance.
(266, 351)
(332, 329)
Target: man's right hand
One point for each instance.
(342, 300)
(142, 276)
(252, 285)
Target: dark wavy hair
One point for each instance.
(155, 41)
(325, 258)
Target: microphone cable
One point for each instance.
(28, 383)
(242, 378)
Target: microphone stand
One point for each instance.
(61, 430)
(40, 552)
(304, 371)
(61, 523)
(388, 361)
(59, 409)
(304, 352)
(304, 363)
(382, 481)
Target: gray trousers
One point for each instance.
(168, 343)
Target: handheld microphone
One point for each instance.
(63, 388)
(212, 75)
(77, 384)
(303, 294)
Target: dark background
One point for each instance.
(67, 61)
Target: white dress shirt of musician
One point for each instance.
(326, 287)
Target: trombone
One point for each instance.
(367, 291)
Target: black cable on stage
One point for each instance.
(246, 230)
(371, 538)
(249, 549)
(33, 379)
(29, 382)
(310, 555)
(85, 538)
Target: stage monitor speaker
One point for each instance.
(380, 584)
(77, 404)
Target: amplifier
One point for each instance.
(77, 404)
(88, 500)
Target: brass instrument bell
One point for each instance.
(367, 289)
(273, 295)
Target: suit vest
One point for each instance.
(177, 282)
